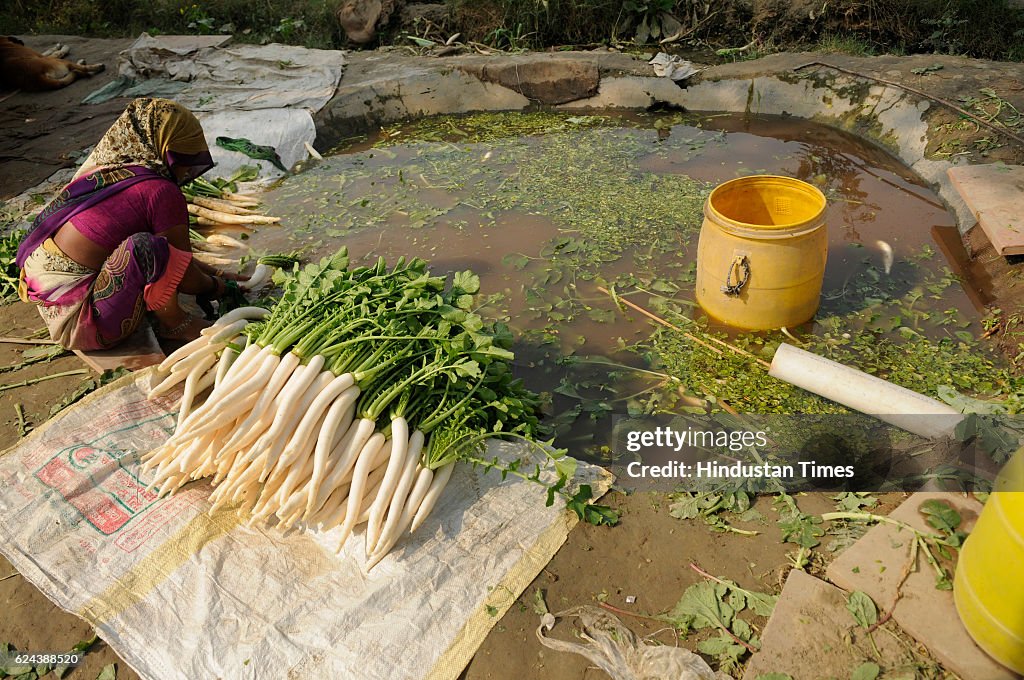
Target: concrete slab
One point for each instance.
(812, 635)
(995, 194)
(874, 565)
(140, 350)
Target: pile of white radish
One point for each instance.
(235, 209)
(214, 208)
(348, 403)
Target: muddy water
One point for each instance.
(546, 219)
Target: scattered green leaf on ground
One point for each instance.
(540, 607)
(869, 670)
(862, 608)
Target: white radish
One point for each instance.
(227, 357)
(213, 260)
(225, 241)
(247, 367)
(207, 222)
(301, 467)
(441, 477)
(182, 352)
(399, 449)
(220, 206)
(334, 387)
(392, 530)
(226, 406)
(287, 402)
(195, 376)
(247, 313)
(235, 196)
(259, 277)
(359, 476)
(340, 412)
(221, 334)
(226, 218)
(199, 356)
(166, 384)
(424, 476)
(346, 453)
(261, 416)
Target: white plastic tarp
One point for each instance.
(181, 594)
(236, 77)
(284, 129)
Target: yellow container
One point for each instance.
(762, 251)
(988, 587)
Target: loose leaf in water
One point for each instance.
(466, 282)
(863, 609)
(515, 260)
(109, 672)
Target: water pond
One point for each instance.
(547, 208)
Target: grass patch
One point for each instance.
(845, 44)
(296, 22)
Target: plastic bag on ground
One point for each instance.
(617, 650)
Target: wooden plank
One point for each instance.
(995, 194)
(140, 350)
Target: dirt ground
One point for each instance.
(646, 557)
(41, 130)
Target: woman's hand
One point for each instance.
(216, 271)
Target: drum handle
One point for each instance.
(740, 262)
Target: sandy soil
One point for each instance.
(647, 556)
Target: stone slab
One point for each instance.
(811, 635)
(543, 78)
(874, 565)
(995, 195)
(140, 350)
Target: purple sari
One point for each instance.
(91, 309)
(82, 193)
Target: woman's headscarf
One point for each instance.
(151, 139)
(159, 134)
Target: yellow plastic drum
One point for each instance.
(989, 584)
(762, 251)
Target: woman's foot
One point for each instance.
(188, 329)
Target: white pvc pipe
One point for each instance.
(865, 393)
